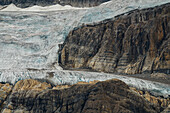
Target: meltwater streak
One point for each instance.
(29, 41)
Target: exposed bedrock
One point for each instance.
(111, 96)
(136, 42)
(75, 3)
(5, 90)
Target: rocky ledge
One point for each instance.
(111, 96)
(75, 3)
(132, 43)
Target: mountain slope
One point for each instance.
(109, 96)
(136, 42)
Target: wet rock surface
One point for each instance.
(75, 3)
(133, 43)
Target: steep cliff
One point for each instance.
(136, 42)
(97, 97)
(75, 3)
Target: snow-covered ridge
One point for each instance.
(129, 4)
(37, 8)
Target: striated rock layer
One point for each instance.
(111, 96)
(136, 42)
(75, 3)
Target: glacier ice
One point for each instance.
(71, 77)
(29, 40)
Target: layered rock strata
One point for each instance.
(135, 42)
(75, 3)
(108, 96)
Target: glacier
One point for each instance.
(29, 41)
(58, 77)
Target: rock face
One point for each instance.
(159, 75)
(166, 110)
(75, 3)
(162, 103)
(112, 96)
(30, 84)
(5, 90)
(137, 42)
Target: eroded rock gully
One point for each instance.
(136, 42)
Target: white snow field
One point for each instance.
(29, 40)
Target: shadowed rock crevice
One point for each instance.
(133, 43)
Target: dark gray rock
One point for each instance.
(136, 42)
